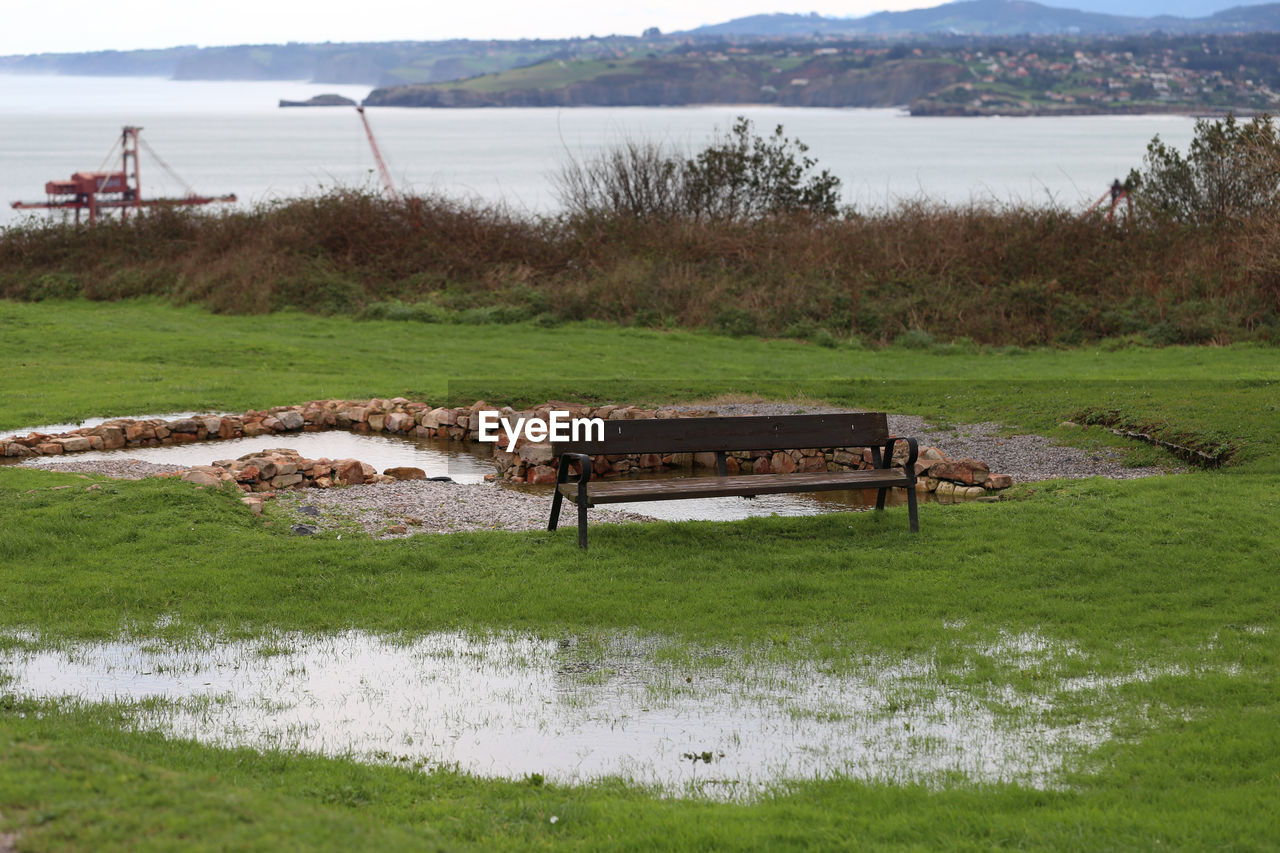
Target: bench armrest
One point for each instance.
(913, 451)
(584, 468)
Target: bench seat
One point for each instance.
(724, 435)
(743, 485)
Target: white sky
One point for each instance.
(63, 26)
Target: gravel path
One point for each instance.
(424, 506)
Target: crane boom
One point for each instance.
(377, 158)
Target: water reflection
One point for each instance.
(510, 706)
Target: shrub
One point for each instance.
(742, 176)
(1231, 171)
(739, 177)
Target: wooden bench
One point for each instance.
(725, 435)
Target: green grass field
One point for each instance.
(1165, 588)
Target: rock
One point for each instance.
(967, 471)
(847, 459)
(761, 466)
(413, 520)
(254, 505)
(998, 481)
(184, 425)
(369, 471)
(291, 421)
(535, 454)
(76, 444)
(782, 463)
(650, 460)
(254, 428)
(932, 454)
(302, 530)
(813, 464)
(397, 529)
(377, 421)
(112, 437)
(926, 484)
(406, 473)
(945, 489)
(18, 451)
(440, 479)
(541, 475)
(1069, 425)
(349, 472)
(399, 422)
(273, 424)
(306, 510)
(49, 448)
(285, 481)
(200, 478)
(704, 460)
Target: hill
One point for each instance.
(997, 17)
(993, 76)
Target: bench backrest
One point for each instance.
(766, 432)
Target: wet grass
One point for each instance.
(1175, 574)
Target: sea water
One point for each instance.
(231, 137)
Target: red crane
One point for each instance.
(377, 158)
(104, 191)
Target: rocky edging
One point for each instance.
(528, 462)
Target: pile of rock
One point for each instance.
(283, 468)
(264, 473)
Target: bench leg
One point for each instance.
(582, 524)
(880, 496)
(555, 509)
(911, 509)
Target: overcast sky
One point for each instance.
(58, 26)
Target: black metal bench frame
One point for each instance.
(725, 435)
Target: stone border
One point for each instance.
(528, 463)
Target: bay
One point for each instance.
(231, 137)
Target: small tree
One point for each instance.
(739, 176)
(1231, 171)
(745, 176)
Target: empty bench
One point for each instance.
(723, 436)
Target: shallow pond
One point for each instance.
(512, 706)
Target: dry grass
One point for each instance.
(994, 276)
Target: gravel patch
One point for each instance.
(119, 469)
(422, 506)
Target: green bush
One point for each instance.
(738, 177)
(1231, 171)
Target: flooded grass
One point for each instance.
(697, 722)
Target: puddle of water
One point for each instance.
(513, 706)
(438, 457)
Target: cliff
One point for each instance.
(665, 82)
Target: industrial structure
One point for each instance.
(99, 192)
